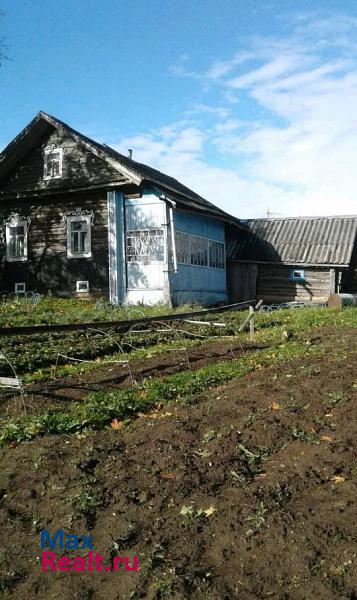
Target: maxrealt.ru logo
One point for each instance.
(91, 562)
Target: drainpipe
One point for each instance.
(173, 239)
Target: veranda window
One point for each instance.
(145, 245)
(216, 255)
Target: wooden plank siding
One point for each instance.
(81, 168)
(274, 285)
(48, 267)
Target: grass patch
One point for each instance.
(102, 407)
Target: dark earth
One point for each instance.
(271, 457)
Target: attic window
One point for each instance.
(53, 163)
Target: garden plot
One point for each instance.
(235, 478)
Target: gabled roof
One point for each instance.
(135, 172)
(297, 241)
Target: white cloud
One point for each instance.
(284, 134)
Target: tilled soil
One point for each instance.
(271, 458)
(56, 393)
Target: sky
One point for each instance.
(252, 104)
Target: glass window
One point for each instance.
(16, 241)
(216, 255)
(297, 274)
(199, 251)
(79, 236)
(53, 163)
(145, 245)
(183, 254)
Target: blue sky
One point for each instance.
(251, 103)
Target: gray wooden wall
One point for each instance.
(48, 267)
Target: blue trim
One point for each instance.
(116, 253)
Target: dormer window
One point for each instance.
(53, 163)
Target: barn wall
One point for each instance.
(241, 281)
(48, 267)
(274, 285)
(349, 277)
(194, 283)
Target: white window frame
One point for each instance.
(158, 233)
(71, 219)
(20, 288)
(293, 274)
(49, 150)
(186, 242)
(9, 225)
(81, 283)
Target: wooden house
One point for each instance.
(284, 260)
(79, 218)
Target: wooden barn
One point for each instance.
(293, 259)
(79, 218)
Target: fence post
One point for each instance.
(251, 321)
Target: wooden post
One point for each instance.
(249, 317)
(251, 321)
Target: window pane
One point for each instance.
(74, 242)
(216, 258)
(199, 251)
(145, 245)
(18, 230)
(183, 248)
(83, 241)
(79, 225)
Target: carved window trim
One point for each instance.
(15, 220)
(78, 214)
(48, 167)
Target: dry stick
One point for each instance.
(208, 323)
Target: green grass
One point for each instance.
(101, 407)
(34, 357)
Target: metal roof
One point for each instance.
(299, 240)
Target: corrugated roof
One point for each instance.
(300, 240)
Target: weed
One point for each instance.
(37, 459)
(342, 569)
(210, 435)
(163, 588)
(258, 519)
(303, 436)
(250, 419)
(191, 513)
(336, 398)
(85, 506)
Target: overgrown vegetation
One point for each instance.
(99, 409)
(35, 357)
(102, 407)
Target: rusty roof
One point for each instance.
(297, 241)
